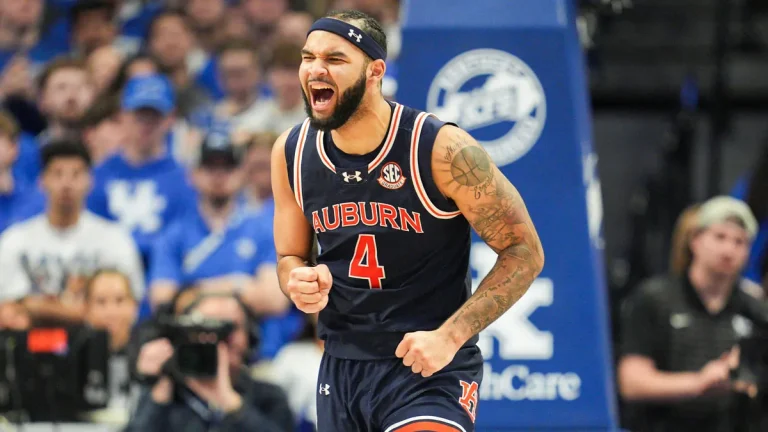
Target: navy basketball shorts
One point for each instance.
(386, 396)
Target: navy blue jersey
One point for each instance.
(398, 249)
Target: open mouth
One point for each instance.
(322, 95)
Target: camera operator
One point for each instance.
(232, 401)
(680, 333)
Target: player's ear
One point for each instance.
(377, 69)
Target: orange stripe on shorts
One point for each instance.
(426, 426)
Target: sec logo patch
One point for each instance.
(391, 176)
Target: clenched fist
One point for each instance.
(308, 287)
(426, 352)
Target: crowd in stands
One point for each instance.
(135, 141)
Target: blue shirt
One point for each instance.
(144, 199)
(190, 252)
(752, 271)
(27, 166)
(10, 204)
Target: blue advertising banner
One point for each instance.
(511, 72)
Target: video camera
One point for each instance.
(54, 373)
(194, 339)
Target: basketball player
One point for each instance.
(390, 194)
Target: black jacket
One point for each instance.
(265, 409)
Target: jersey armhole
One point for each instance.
(294, 151)
(423, 137)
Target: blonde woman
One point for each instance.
(680, 251)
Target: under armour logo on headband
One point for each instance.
(368, 45)
(352, 34)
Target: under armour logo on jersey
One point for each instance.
(354, 35)
(357, 177)
(325, 389)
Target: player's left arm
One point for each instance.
(465, 173)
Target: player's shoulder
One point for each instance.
(286, 143)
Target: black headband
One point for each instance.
(352, 34)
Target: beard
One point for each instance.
(218, 201)
(346, 106)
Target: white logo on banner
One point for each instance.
(519, 339)
(494, 90)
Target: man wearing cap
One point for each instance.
(143, 187)
(679, 335)
(216, 245)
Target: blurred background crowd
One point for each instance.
(135, 138)
(135, 141)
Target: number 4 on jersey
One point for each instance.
(365, 263)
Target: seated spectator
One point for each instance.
(295, 369)
(65, 94)
(93, 25)
(679, 332)
(110, 305)
(231, 402)
(208, 21)
(215, 245)
(171, 42)
(29, 31)
(142, 187)
(45, 261)
(239, 71)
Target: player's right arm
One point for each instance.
(306, 286)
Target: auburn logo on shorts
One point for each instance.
(468, 399)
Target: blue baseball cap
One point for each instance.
(149, 91)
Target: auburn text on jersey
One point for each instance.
(349, 214)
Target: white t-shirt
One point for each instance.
(295, 369)
(36, 258)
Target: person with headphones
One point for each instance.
(233, 401)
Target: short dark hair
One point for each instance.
(364, 22)
(83, 6)
(59, 149)
(57, 64)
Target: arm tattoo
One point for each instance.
(497, 212)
